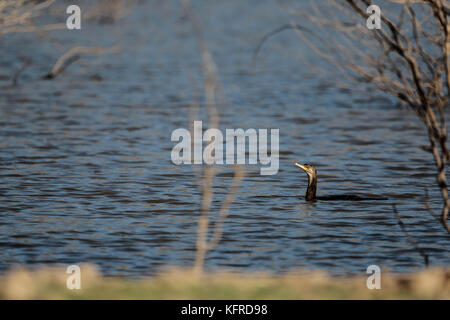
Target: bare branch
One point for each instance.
(410, 239)
(17, 16)
(73, 55)
(15, 79)
(407, 58)
(214, 97)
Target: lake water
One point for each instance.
(85, 169)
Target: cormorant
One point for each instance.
(312, 188)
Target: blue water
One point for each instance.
(85, 170)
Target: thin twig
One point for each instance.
(225, 209)
(15, 79)
(271, 34)
(212, 86)
(410, 239)
(73, 55)
(428, 206)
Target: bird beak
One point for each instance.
(301, 166)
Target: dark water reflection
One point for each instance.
(85, 171)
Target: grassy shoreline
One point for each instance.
(50, 283)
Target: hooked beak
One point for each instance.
(301, 166)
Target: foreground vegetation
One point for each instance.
(50, 283)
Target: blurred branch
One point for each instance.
(273, 33)
(211, 87)
(410, 239)
(109, 11)
(428, 206)
(15, 78)
(18, 15)
(225, 209)
(73, 55)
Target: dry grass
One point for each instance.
(50, 283)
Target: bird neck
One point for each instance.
(312, 187)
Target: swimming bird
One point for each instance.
(312, 188)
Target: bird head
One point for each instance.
(308, 168)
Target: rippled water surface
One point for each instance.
(85, 170)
